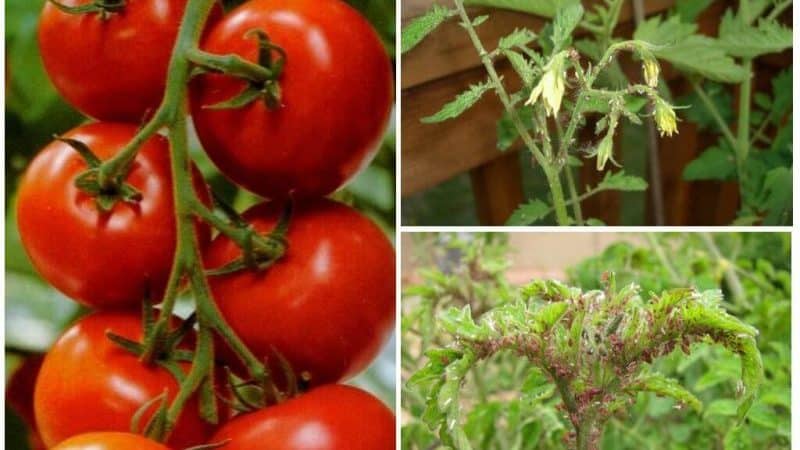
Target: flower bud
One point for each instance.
(605, 150)
(650, 69)
(551, 86)
(666, 121)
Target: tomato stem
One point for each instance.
(172, 113)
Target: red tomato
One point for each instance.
(109, 441)
(101, 260)
(327, 306)
(112, 69)
(336, 98)
(87, 384)
(332, 417)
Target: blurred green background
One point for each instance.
(35, 313)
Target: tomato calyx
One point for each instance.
(262, 78)
(102, 7)
(259, 251)
(89, 181)
(250, 395)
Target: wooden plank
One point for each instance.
(497, 187)
(448, 50)
(433, 153)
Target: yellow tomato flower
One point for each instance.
(551, 86)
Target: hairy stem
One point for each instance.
(551, 170)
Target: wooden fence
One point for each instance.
(443, 65)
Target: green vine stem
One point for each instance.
(550, 167)
(171, 114)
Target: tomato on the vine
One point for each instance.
(111, 68)
(334, 101)
(327, 305)
(88, 383)
(101, 259)
(332, 417)
(109, 441)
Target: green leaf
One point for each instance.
(521, 66)
(544, 8)
(714, 163)
(747, 41)
(458, 322)
(507, 133)
(564, 23)
(548, 315)
(477, 21)
(462, 102)
(688, 10)
(777, 197)
(422, 26)
(689, 52)
(620, 181)
(529, 213)
(520, 37)
(668, 387)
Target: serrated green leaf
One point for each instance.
(620, 181)
(689, 52)
(546, 316)
(668, 387)
(520, 37)
(714, 163)
(564, 23)
(462, 102)
(458, 322)
(777, 198)
(521, 66)
(529, 213)
(747, 41)
(422, 26)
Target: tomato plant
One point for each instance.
(316, 420)
(109, 441)
(333, 290)
(88, 383)
(112, 67)
(115, 215)
(102, 259)
(322, 112)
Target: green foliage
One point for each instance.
(517, 333)
(527, 213)
(422, 26)
(460, 104)
(747, 41)
(679, 43)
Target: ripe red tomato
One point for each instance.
(109, 441)
(327, 306)
(87, 384)
(19, 396)
(112, 69)
(332, 417)
(101, 259)
(336, 98)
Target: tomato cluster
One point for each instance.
(319, 312)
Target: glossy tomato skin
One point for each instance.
(113, 69)
(109, 441)
(89, 384)
(327, 306)
(101, 259)
(336, 98)
(331, 417)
